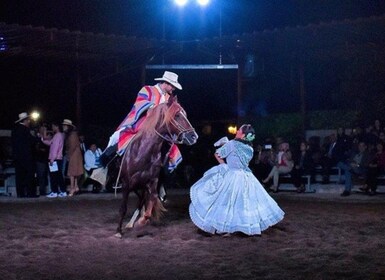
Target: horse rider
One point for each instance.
(147, 97)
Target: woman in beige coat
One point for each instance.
(74, 154)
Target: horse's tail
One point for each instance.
(158, 209)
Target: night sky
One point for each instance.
(48, 88)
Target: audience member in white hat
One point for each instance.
(22, 150)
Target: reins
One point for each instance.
(173, 138)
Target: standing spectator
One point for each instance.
(83, 146)
(91, 162)
(356, 164)
(74, 155)
(41, 156)
(55, 158)
(283, 165)
(376, 168)
(22, 149)
(303, 165)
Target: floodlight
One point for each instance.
(181, 2)
(203, 2)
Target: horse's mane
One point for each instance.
(159, 116)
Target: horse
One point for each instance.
(165, 125)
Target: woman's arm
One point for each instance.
(218, 158)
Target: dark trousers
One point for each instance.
(327, 164)
(24, 175)
(371, 178)
(42, 175)
(57, 180)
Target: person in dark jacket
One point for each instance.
(22, 150)
(303, 165)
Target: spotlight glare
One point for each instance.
(203, 2)
(181, 2)
(35, 115)
(232, 129)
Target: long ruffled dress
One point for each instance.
(229, 198)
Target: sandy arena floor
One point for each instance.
(321, 237)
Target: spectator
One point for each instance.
(303, 165)
(74, 155)
(263, 161)
(83, 146)
(370, 137)
(41, 156)
(283, 165)
(22, 148)
(91, 162)
(334, 152)
(377, 127)
(55, 158)
(356, 164)
(376, 168)
(381, 137)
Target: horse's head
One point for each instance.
(178, 126)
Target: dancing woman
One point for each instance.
(229, 198)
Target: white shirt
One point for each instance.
(90, 159)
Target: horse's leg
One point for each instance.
(122, 211)
(139, 209)
(145, 217)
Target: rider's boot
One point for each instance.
(108, 155)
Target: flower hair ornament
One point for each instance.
(249, 137)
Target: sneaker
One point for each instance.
(52, 194)
(62, 194)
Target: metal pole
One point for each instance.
(220, 34)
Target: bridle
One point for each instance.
(172, 138)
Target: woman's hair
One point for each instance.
(249, 132)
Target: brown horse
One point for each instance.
(143, 160)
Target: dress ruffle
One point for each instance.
(232, 200)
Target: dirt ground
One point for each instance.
(73, 238)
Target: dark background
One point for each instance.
(50, 88)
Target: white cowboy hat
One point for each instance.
(170, 78)
(22, 116)
(67, 122)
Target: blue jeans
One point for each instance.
(346, 168)
(348, 171)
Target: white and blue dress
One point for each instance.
(229, 198)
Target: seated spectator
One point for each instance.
(283, 165)
(356, 164)
(303, 165)
(382, 137)
(376, 168)
(370, 137)
(263, 161)
(91, 162)
(334, 151)
(377, 127)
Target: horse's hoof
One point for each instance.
(141, 223)
(129, 225)
(118, 235)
